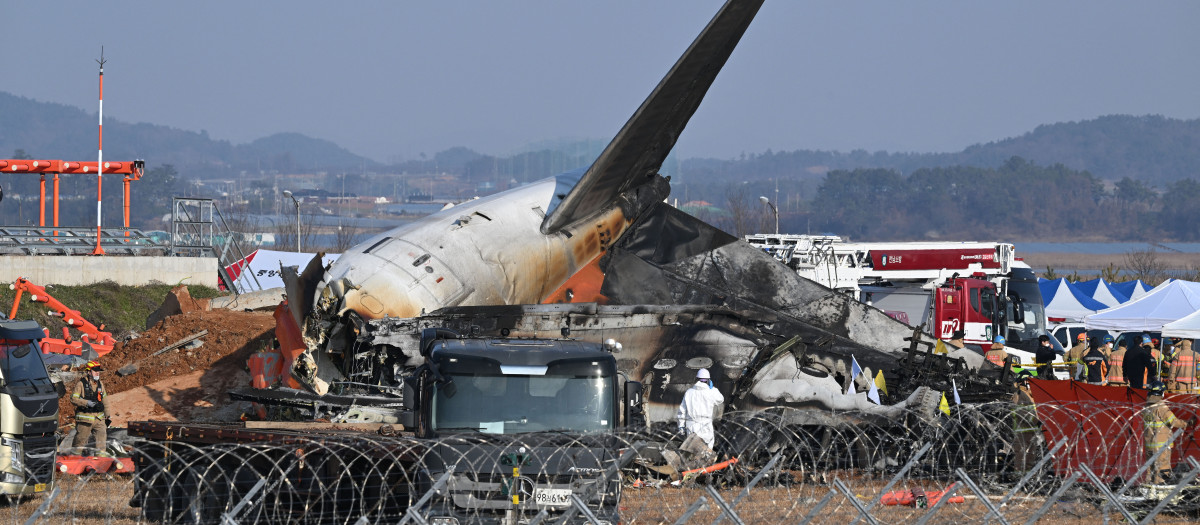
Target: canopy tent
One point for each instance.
(1102, 291)
(1131, 289)
(1150, 312)
(260, 269)
(1186, 327)
(1064, 301)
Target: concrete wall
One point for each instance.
(128, 270)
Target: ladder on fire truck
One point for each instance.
(845, 265)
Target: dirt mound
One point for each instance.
(232, 337)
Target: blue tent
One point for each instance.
(1102, 291)
(1131, 289)
(1064, 301)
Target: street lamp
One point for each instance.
(774, 210)
(288, 194)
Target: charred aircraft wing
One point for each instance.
(638, 150)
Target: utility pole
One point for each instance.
(288, 194)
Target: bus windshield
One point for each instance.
(508, 404)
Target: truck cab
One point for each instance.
(524, 425)
(28, 411)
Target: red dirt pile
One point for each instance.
(169, 385)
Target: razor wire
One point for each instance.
(1084, 461)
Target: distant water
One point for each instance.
(1104, 247)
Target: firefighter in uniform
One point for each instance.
(1095, 364)
(1158, 423)
(91, 416)
(1026, 427)
(1075, 355)
(1108, 346)
(996, 354)
(1116, 366)
(1181, 377)
(957, 341)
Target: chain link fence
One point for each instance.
(990, 463)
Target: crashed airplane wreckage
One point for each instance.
(596, 254)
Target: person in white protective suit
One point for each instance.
(696, 411)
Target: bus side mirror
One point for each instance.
(631, 408)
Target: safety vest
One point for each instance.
(90, 393)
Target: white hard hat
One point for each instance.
(703, 374)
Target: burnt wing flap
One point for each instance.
(638, 150)
(301, 288)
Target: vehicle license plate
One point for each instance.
(552, 497)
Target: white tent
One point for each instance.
(1150, 312)
(260, 269)
(1187, 327)
(1064, 301)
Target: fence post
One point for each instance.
(949, 493)
(1028, 475)
(820, 505)
(746, 491)
(613, 471)
(1053, 498)
(1112, 499)
(45, 506)
(962, 474)
(411, 513)
(230, 518)
(862, 511)
(1187, 480)
(896, 479)
(725, 508)
(695, 506)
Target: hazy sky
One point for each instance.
(391, 79)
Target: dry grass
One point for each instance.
(105, 500)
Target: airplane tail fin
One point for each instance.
(639, 149)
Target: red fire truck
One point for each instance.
(980, 288)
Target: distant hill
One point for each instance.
(57, 131)
(1153, 149)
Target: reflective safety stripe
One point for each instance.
(995, 358)
(89, 417)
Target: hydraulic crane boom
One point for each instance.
(94, 337)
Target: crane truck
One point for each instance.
(980, 289)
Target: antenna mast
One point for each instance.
(100, 158)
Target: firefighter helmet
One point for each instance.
(1145, 339)
(1081, 336)
(1108, 339)
(999, 340)
(93, 366)
(1155, 388)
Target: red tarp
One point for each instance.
(1103, 426)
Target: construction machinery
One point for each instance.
(91, 344)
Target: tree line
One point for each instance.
(1017, 200)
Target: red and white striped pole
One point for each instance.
(100, 158)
